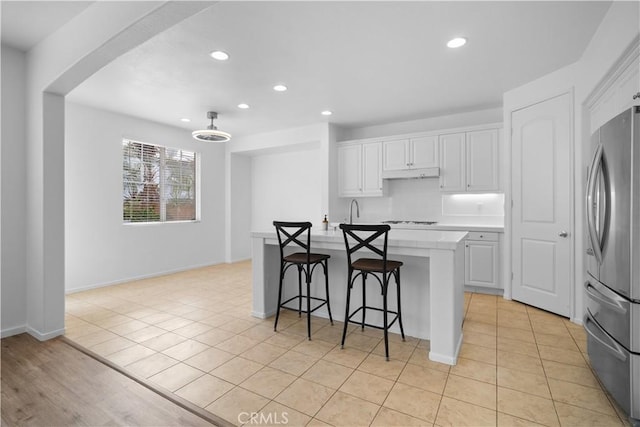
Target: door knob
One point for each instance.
(563, 234)
(589, 251)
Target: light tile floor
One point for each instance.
(192, 334)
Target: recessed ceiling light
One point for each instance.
(243, 106)
(326, 113)
(219, 55)
(185, 120)
(457, 42)
(279, 88)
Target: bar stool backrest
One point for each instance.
(357, 237)
(288, 234)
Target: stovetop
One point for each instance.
(391, 221)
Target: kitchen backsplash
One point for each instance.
(421, 199)
(472, 204)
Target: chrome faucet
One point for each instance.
(351, 210)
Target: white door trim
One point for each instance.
(508, 113)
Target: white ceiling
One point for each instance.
(26, 23)
(368, 62)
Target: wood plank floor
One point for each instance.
(53, 384)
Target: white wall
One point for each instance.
(286, 187)
(54, 66)
(239, 197)
(259, 181)
(620, 26)
(469, 118)
(14, 316)
(100, 249)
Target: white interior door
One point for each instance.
(542, 234)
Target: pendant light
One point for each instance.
(211, 133)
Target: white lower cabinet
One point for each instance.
(482, 255)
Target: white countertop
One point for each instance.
(444, 226)
(425, 239)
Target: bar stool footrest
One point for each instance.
(304, 310)
(369, 324)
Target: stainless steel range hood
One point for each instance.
(412, 173)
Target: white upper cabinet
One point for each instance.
(410, 153)
(465, 159)
(360, 170)
(424, 152)
(372, 169)
(452, 162)
(482, 160)
(396, 155)
(469, 161)
(350, 170)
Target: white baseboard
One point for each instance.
(141, 277)
(483, 290)
(13, 331)
(261, 315)
(233, 261)
(437, 357)
(40, 336)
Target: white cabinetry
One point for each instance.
(482, 252)
(360, 170)
(619, 90)
(452, 162)
(410, 153)
(469, 161)
(482, 160)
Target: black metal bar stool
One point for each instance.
(306, 263)
(357, 237)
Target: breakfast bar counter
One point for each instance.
(432, 282)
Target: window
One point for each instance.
(159, 183)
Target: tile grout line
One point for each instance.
(235, 309)
(553, 401)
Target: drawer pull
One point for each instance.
(614, 348)
(600, 297)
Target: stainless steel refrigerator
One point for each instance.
(612, 318)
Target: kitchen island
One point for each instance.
(431, 282)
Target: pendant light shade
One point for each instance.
(211, 133)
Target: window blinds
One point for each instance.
(159, 183)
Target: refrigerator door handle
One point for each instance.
(593, 329)
(604, 299)
(596, 166)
